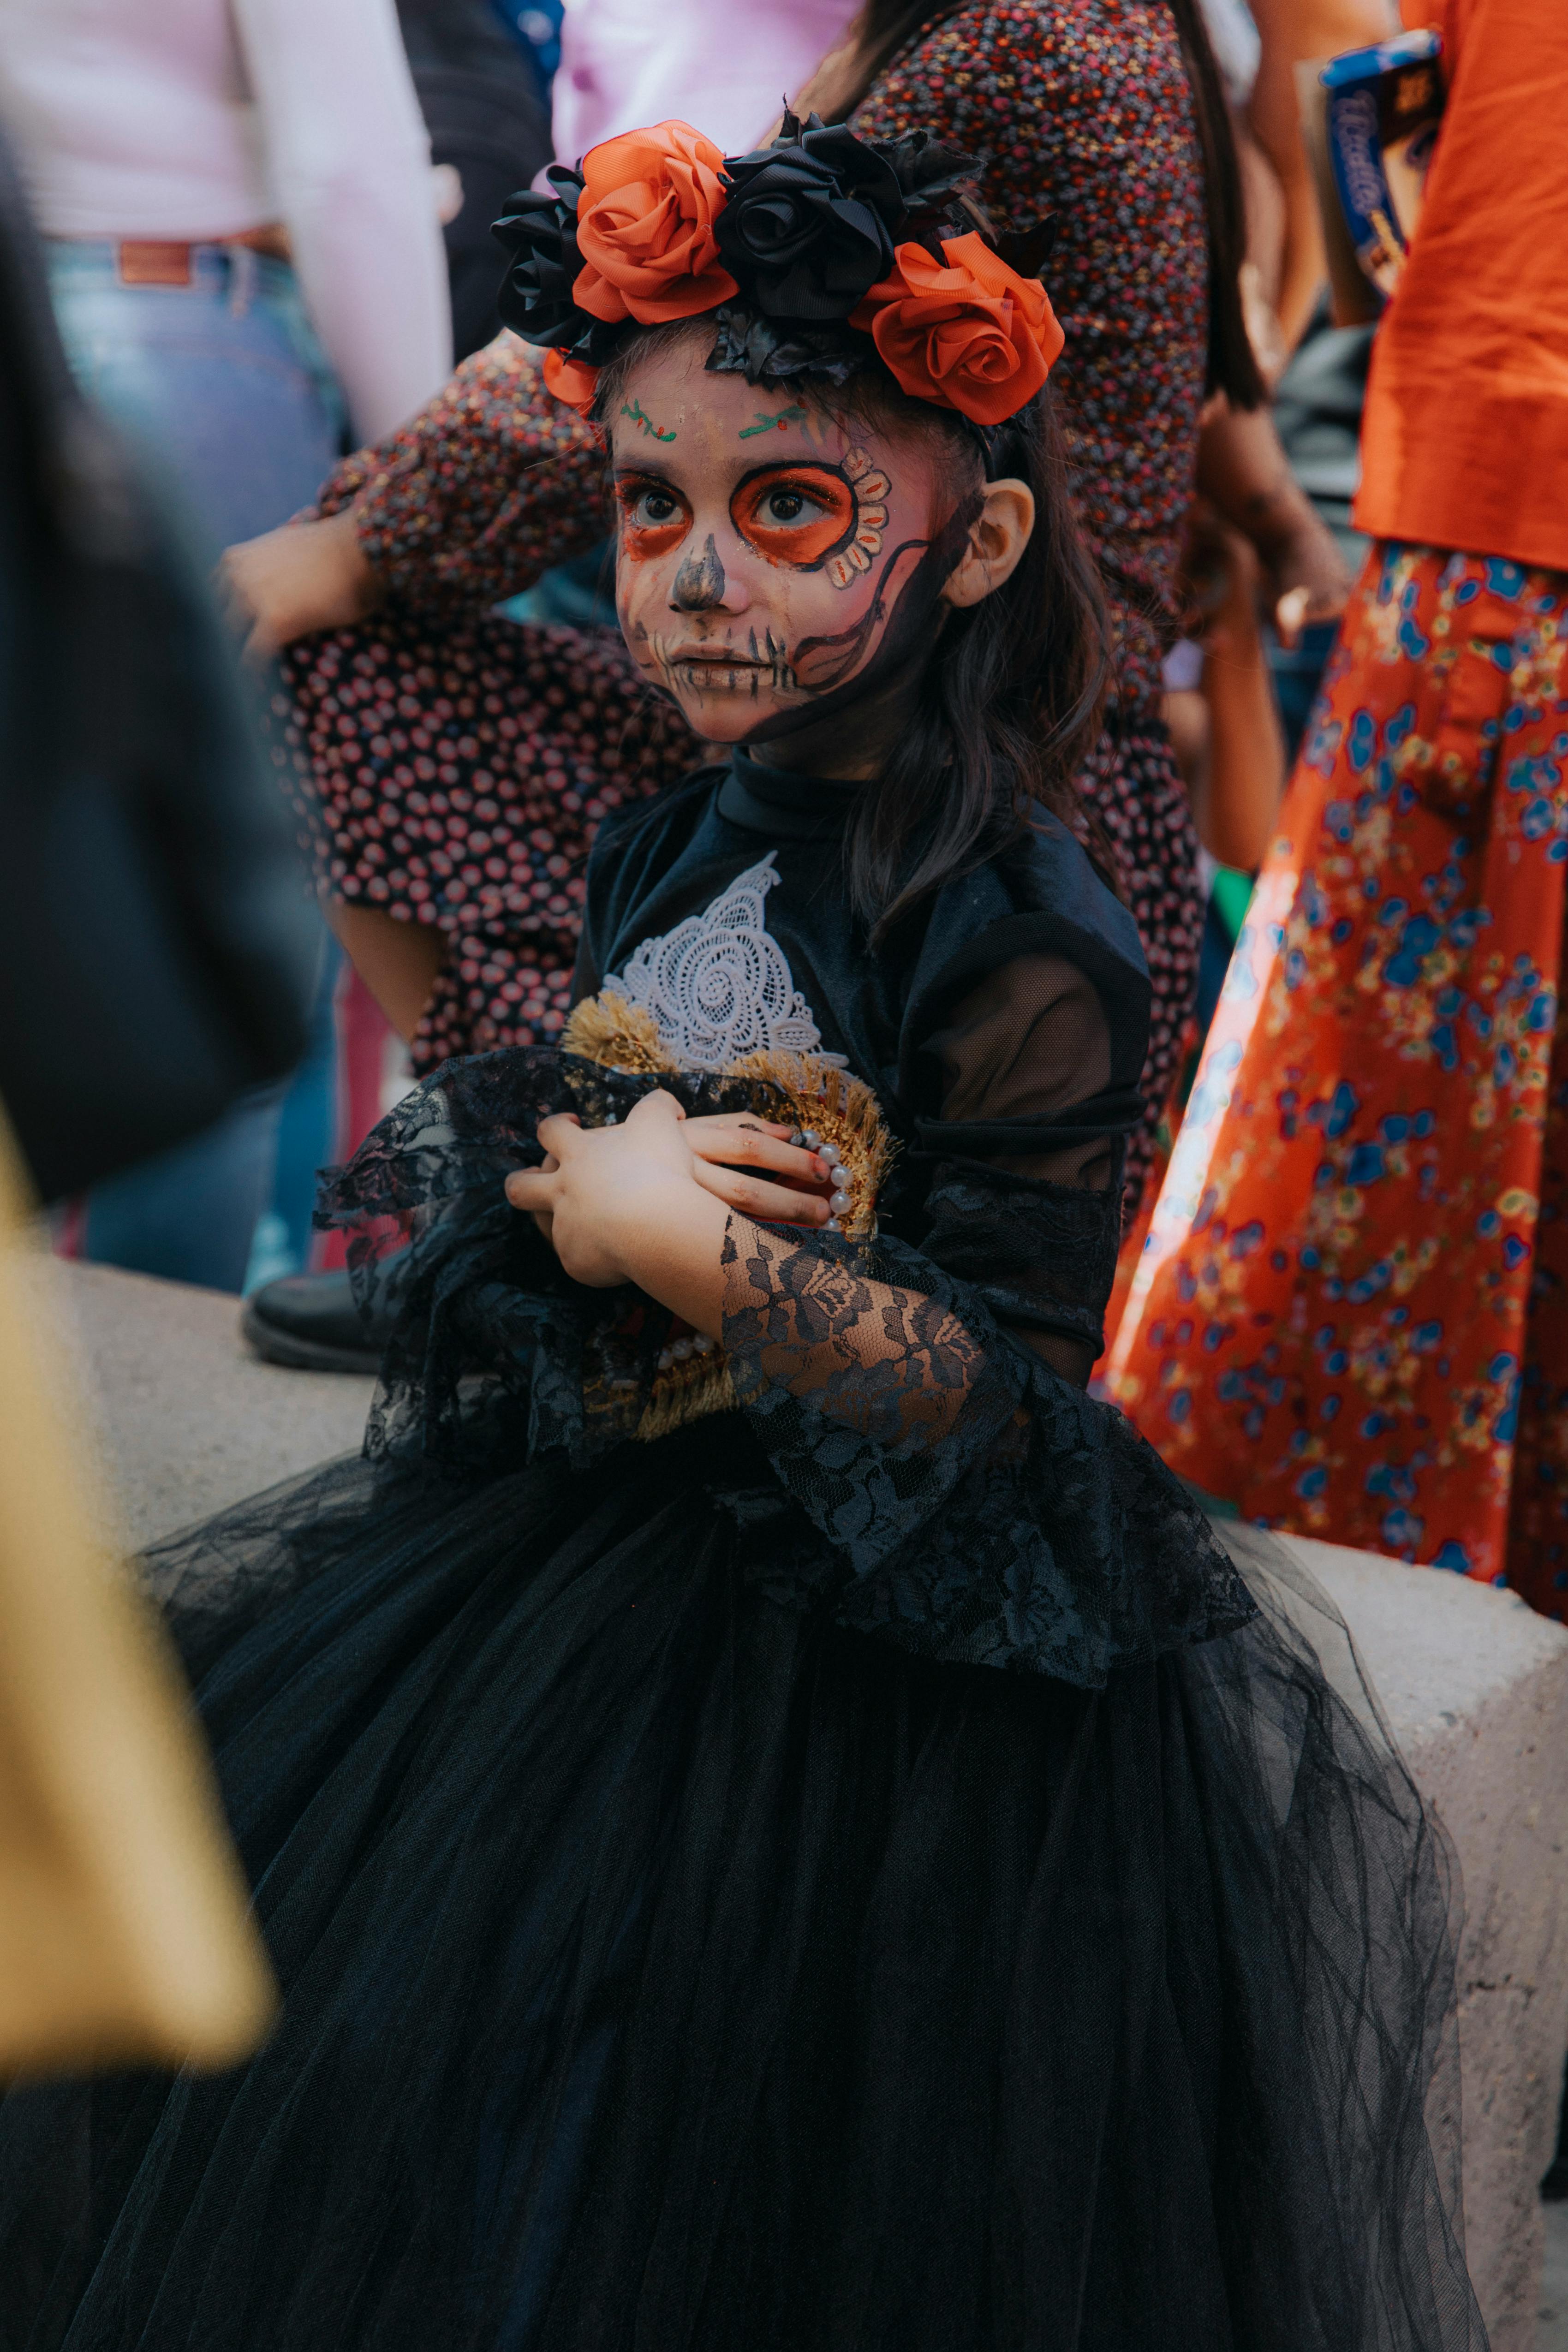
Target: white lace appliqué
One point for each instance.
(718, 987)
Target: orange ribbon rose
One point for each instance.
(645, 227)
(973, 336)
(572, 381)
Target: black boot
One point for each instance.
(309, 1322)
(1554, 2188)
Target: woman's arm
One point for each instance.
(489, 486)
(1236, 796)
(1292, 32)
(1229, 744)
(1244, 472)
(350, 160)
(493, 482)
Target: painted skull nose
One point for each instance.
(700, 582)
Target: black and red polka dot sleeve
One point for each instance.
(491, 483)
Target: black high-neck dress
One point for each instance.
(804, 1846)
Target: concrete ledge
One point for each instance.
(187, 1418)
(1473, 1683)
(1552, 2334)
(1475, 1686)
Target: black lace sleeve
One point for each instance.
(922, 1401)
(979, 1508)
(912, 1463)
(495, 1354)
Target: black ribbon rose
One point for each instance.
(810, 223)
(540, 233)
(807, 227)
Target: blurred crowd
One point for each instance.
(249, 277)
(267, 243)
(247, 243)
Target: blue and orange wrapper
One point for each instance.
(1384, 106)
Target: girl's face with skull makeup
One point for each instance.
(778, 565)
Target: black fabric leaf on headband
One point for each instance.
(929, 175)
(535, 301)
(767, 352)
(1029, 250)
(809, 224)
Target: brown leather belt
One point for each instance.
(159, 261)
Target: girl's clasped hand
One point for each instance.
(609, 1198)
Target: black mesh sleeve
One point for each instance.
(1025, 1199)
(921, 1401)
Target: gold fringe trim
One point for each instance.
(619, 1035)
(844, 1111)
(610, 1030)
(688, 1391)
(617, 1402)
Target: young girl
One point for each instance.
(777, 1822)
(1099, 123)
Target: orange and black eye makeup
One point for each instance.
(798, 514)
(655, 518)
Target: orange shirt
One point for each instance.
(1465, 442)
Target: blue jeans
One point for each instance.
(222, 382)
(223, 387)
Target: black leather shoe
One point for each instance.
(309, 1322)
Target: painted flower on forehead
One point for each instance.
(966, 332)
(645, 227)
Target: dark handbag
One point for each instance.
(157, 946)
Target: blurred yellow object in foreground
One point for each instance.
(125, 1936)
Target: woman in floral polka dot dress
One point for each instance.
(461, 764)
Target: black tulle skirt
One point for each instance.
(666, 1969)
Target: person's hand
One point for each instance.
(1216, 570)
(292, 581)
(726, 1147)
(1218, 585)
(1243, 471)
(1307, 577)
(604, 1192)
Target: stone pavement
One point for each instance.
(189, 1421)
(1474, 1685)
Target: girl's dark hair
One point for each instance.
(886, 27)
(1008, 708)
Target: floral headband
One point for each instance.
(810, 254)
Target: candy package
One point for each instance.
(1383, 107)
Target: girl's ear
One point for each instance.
(1000, 533)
